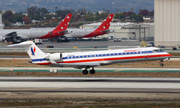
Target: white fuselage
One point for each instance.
(27, 33)
(108, 57)
(77, 33)
(35, 33)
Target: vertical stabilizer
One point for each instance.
(64, 23)
(106, 24)
(33, 51)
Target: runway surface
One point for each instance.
(90, 84)
(98, 69)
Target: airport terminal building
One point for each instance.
(127, 31)
(167, 22)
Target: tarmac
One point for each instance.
(93, 85)
(58, 69)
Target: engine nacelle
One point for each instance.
(2, 38)
(56, 56)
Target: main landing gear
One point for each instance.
(85, 72)
(161, 63)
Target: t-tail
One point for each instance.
(33, 51)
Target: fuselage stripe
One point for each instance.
(109, 59)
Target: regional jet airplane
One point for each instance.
(93, 59)
(16, 35)
(87, 33)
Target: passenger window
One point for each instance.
(99, 55)
(131, 52)
(104, 54)
(89, 55)
(81, 56)
(115, 54)
(119, 53)
(85, 56)
(124, 53)
(112, 54)
(107, 54)
(77, 56)
(65, 58)
(127, 53)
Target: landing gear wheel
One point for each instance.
(161, 64)
(92, 71)
(85, 72)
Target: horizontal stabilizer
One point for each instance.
(21, 44)
(32, 50)
(104, 31)
(65, 31)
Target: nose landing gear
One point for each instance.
(161, 63)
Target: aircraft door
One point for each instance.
(145, 53)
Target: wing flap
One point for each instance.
(81, 64)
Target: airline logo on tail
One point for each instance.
(33, 50)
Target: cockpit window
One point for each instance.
(158, 50)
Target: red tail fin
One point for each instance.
(106, 24)
(64, 23)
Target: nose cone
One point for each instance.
(169, 55)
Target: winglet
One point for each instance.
(106, 24)
(64, 23)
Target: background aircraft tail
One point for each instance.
(33, 51)
(64, 23)
(106, 24)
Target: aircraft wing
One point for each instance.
(75, 65)
(80, 65)
(12, 34)
(65, 31)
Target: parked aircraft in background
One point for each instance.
(17, 35)
(87, 33)
(92, 59)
